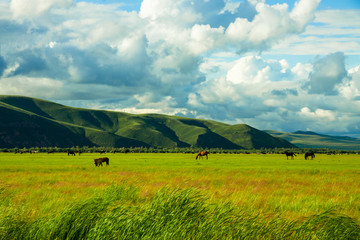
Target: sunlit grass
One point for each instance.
(42, 185)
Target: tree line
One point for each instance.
(176, 150)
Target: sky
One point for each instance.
(272, 64)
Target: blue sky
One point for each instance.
(272, 64)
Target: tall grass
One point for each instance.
(120, 213)
(173, 196)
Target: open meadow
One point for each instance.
(174, 196)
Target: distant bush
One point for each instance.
(179, 150)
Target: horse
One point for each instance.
(98, 161)
(101, 152)
(309, 154)
(289, 154)
(201, 154)
(71, 153)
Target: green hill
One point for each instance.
(30, 122)
(307, 139)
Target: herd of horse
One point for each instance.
(288, 154)
(308, 155)
(99, 161)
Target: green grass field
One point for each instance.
(174, 196)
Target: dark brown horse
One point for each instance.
(71, 153)
(98, 161)
(309, 154)
(289, 154)
(202, 154)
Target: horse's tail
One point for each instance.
(197, 156)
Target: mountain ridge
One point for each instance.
(309, 139)
(33, 122)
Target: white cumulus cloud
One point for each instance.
(216, 59)
(35, 8)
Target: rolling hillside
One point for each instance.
(306, 139)
(30, 122)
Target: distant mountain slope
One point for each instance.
(21, 128)
(27, 122)
(307, 139)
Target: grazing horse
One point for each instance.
(289, 154)
(101, 152)
(71, 153)
(201, 154)
(309, 154)
(98, 161)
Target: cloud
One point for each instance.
(269, 94)
(351, 88)
(271, 24)
(163, 44)
(328, 72)
(254, 69)
(35, 8)
(193, 58)
(29, 86)
(2, 65)
(251, 87)
(28, 62)
(330, 30)
(284, 92)
(317, 114)
(175, 12)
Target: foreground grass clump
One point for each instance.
(120, 212)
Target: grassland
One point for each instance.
(174, 196)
